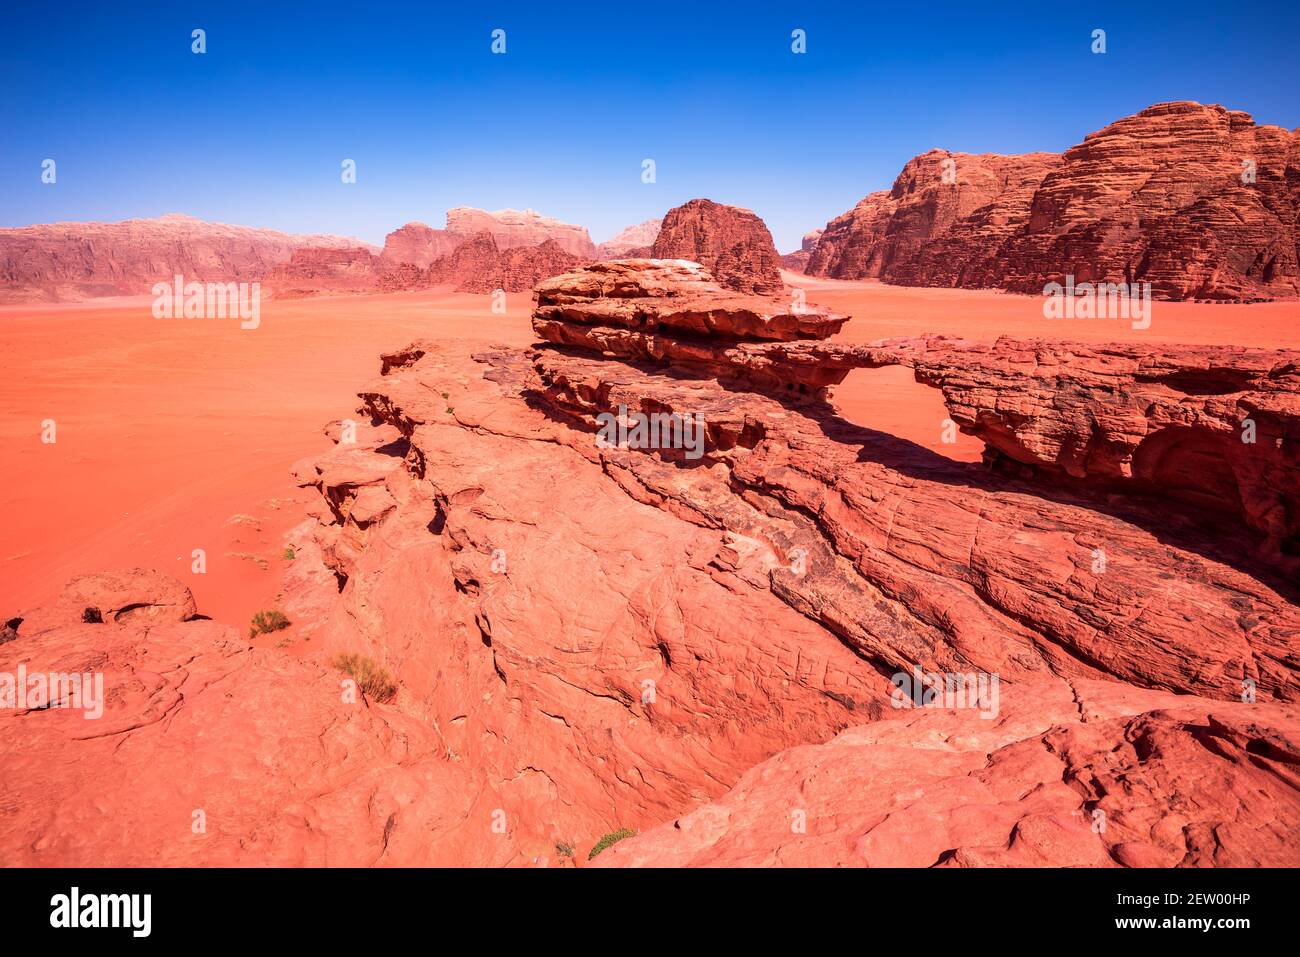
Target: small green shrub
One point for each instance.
(265, 622)
(610, 839)
(289, 554)
(564, 848)
(370, 678)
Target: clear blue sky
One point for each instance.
(254, 130)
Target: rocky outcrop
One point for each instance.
(207, 751)
(554, 617)
(475, 264)
(1216, 427)
(416, 244)
(479, 265)
(1111, 777)
(699, 637)
(732, 243)
(515, 227)
(1197, 200)
(797, 261)
(631, 243)
(942, 224)
(671, 312)
(69, 261)
(313, 271)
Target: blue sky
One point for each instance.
(254, 130)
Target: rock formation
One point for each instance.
(730, 242)
(942, 224)
(632, 242)
(85, 260)
(479, 265)
(415, 244)
(1107, 777)
(514, 227)
(699, 639)
(279, 764)
(1197, 200)
(315, 270)
(1216, 427)
(798, 260)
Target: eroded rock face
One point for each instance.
(210, 752)
(635, 241)
(516, 227)
(672, 312)
(85, 260)
(1117, 777)
(732, 243)
(313, 271)
(876, 548)
(1214, 426)
(1197, 200)
(416, 244)
(943, 223)
(799, 259)
(588, 635)
(479, 265)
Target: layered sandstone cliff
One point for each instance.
(416, 244)
(526, 227)
(86, 260)
(478, 264)
(1199, 201)
(313, 271)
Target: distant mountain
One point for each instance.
(1197, 200)
(72, 261)
(515, 227)
(631, 241)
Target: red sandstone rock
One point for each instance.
(479, 265)
(941, 224)
(633, 242)
(732, 243)
(514, 227)
(415, 244)
(315, 270)
(1216, 427)
(798, 260)
(211, 752)
(134, 595)
(589, 636)
(1112, 776)
(1158, 197)
(670, 311)
(85, 260)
